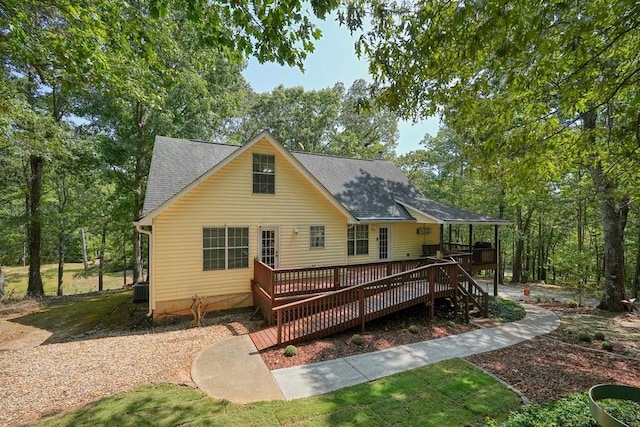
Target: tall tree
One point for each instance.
(554, 77)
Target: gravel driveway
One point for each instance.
(49, 379)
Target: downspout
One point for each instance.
(139, 229)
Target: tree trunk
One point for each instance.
(83, 241)
(614, 219)
(522, 225)
(35, 287)
(636, 272)
(103, 243)
(61, 252)
(1, 282)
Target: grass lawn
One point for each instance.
(450, 393)
(16, 280)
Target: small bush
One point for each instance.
(451, 324)
(505, 310)
(570, 331)
(584, 336)
(606, 345)
(572, 303)
(572, 411)
(290, 351)
(598, 336)
(626, 411)
(414, 329)
(357, 339)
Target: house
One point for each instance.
(211, 209)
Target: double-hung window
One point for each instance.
(264, 173)
(225, 248)
(358, 239)
(316, 236)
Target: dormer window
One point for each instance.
(264, 174)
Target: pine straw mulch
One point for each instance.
(546, 368)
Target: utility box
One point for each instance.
(141, 292)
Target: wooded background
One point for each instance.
(540, 107)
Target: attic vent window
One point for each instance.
(264, 174)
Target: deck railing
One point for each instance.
(303, 281)
(338, 310)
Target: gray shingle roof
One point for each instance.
(369, 189)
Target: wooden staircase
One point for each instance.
(335, 311)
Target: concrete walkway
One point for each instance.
(233, 369)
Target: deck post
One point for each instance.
(279, 326)
(361, 308)
(432, 291)
(336, 278)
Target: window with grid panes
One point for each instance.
(316, 236)
(225, 248)
(358, 239)
(264, 173)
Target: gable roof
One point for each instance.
(365, 190)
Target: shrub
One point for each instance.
(357, 339)
(505, 310)
(572, 411)
(584, 336)
(290, 351)
(626, 411)
(598, 336)
(606, 345)
(414, 329)
(451, 324)
(572, 303)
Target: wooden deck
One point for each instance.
(343, 307)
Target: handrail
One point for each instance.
(480, 292)
(292, 314)
(369, 283)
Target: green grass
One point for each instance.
(16, 280)
(447, 393)
(68, 318)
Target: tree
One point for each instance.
(59, 49)
(522, 79)
(330, 121)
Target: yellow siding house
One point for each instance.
(211, 209)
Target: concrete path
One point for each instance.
(233, 369)
(323, 377)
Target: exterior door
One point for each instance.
(269, 246)
(383, 243)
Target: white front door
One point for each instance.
(384, 239)
(269, 246)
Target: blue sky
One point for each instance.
(334, 60)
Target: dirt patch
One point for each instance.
(390, 331)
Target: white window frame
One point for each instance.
(316, 241)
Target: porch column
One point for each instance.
(449, 236)
(442, 237)
(471, 235)
(496, 272)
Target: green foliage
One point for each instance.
(572, 411)
(505, 310)
(451, 324)
(290, 350)
(430, 396)
(598, 336)
(606, 346)
(584, 336)
(626, 411)
(357, 339)
(330, 121)
(413, 329)
(572, 304)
